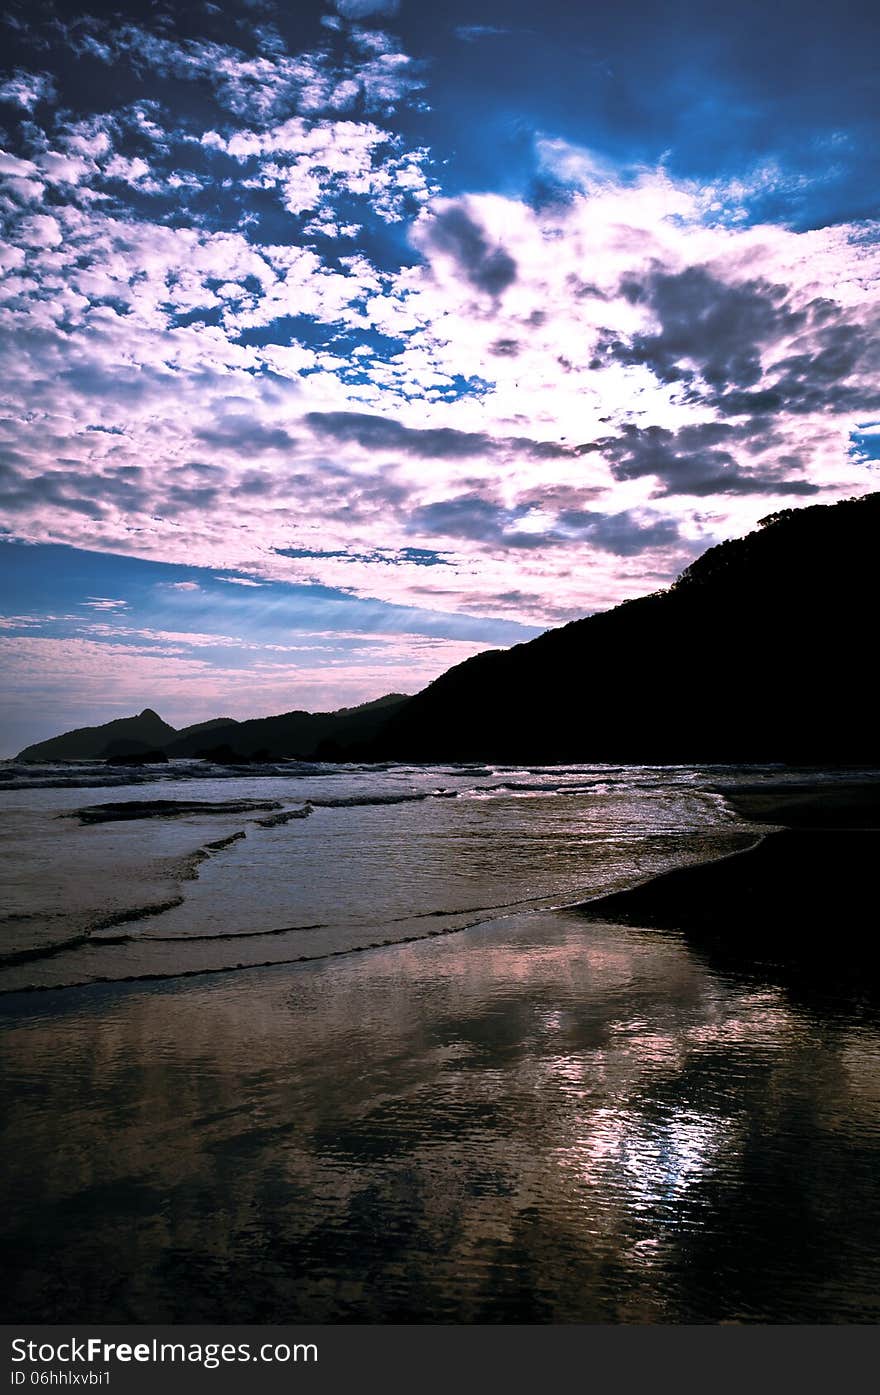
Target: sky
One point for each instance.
(343, 340)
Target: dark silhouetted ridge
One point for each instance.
(763, 650)
(306, 735)
(126, 736)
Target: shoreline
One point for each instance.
(801, 896)
(804, 870)
(545, 1118)
(268, 900)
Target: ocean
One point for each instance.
(334, 1043)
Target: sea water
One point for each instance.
(356, 1065)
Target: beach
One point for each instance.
(607, 1111)
(811, 881)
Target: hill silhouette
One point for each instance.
(307, 735)
(762, 650)
(125, 736)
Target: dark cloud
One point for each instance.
(698, 459)
(489, 269)
(715, 337)
(245, 436)
(478, 519)
(356, 499)
(119, 383)
(383, 433)
(71, 490)
(466, 516)
(709, 329)
(516, 598)
(836, 370)
(179, 498)
(620, 533)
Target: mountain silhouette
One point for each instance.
(308, 735)
(762, 650)
(292, 734)
(127, 736)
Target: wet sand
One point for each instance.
(843, 806)
(805, 895)
(538, 1120)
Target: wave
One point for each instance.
(283, 816)
(585, 787)
(102, 780)
(96, 936)
(219, 937)
(96, 775)
(128, 809)
(474, 915)
(358, 801)
(158, 975)
(83, 938)
(227, 842)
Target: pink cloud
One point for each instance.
(146, 420)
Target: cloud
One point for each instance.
(701, 460)
(40, 230)
(318, 165)
(268, 83)
(833, 368)
(383, 434)
(479, 519)
(707, 327)
(745, 346)
(60, 490)
(28, 90)
(245, 436)
(624, 534)
(250, 334)
(452, 231)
